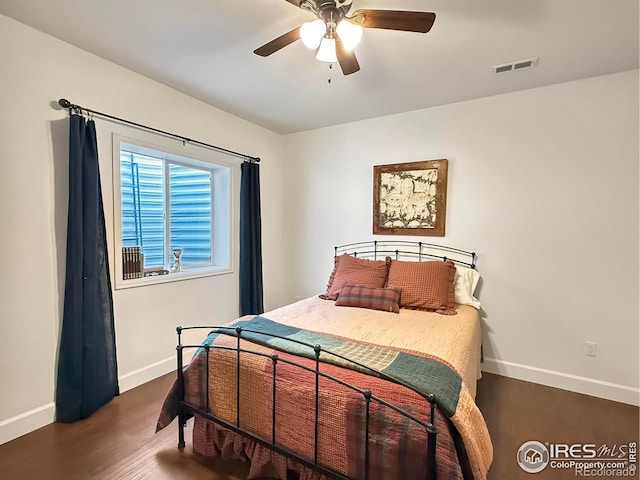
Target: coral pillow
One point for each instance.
(385, 299)
(425, 285)
(356, 271)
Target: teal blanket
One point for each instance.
(425, 374)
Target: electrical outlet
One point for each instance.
(592, 349)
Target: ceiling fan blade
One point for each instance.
(295, 2)
(395, 20)
(347, 59)
(278, 43)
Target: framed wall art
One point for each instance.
(410, 198)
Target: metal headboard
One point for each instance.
(406, 250)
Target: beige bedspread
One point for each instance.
(453, 338)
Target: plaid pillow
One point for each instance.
(425, 285)
(357, 271)
(385, 299)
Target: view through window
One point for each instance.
(174, 213)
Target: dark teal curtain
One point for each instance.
(87, 369)
(250, 241)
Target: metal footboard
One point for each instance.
(186, 409)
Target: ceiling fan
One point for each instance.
(335, 34)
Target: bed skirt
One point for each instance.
(212, 440)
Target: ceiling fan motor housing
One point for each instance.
(332, 11)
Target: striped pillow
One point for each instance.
(357, 271)
(385, 299)
(425, 285)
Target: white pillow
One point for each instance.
(466, 281)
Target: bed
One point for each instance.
(358, 382)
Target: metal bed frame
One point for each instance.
(407, 250)
(416, 251)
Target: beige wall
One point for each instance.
(543, 185)
(36, 70)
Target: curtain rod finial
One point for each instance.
(64, 103)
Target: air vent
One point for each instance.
(503, 68)
(523, 64)
(518, 65)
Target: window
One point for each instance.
(172, 215)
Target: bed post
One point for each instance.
(431, 440)
(431, 452)
(317, 349)
(181, 415)
(367, 399)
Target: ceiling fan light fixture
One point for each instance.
(327, 50)
(311, 33)
(334, 34)
(350, 34)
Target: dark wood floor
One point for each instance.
(118, 442)
(517, 411)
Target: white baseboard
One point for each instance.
(564, 381)
(146, 374)
(26, 422)
(39, 417)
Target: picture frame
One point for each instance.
(410, 198)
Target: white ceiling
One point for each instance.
(204, 48)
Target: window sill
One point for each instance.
(187, 274)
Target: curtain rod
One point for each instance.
(64, 103)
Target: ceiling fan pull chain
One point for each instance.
(329, 77)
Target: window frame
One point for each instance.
(189, 156)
